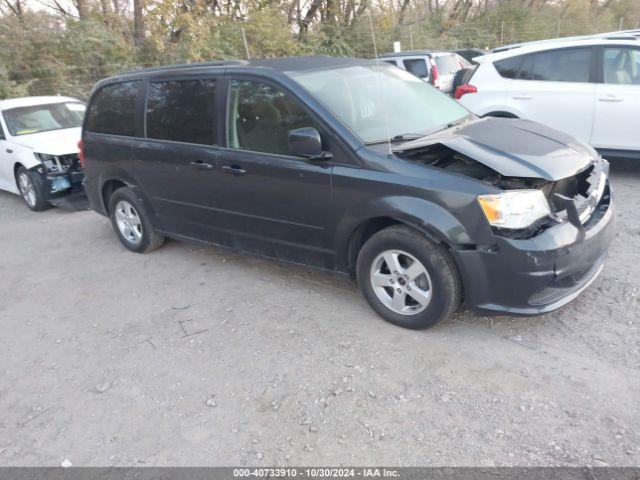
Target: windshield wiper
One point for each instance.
(398, 138)
(406, 136)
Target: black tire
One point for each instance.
(148, 240)
(445, 289)
(35, 184)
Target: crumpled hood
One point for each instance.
(53, 142)
(514, 147)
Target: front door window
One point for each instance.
(261, 117)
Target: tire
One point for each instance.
(430, 289)
(32, 189)
(132, 222)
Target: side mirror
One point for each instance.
(306, 142)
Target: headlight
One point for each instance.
(50, 162)
(514, 209)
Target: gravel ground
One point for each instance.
(198, 356)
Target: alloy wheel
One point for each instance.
(401, 282)
(27, 189)
(129, 223)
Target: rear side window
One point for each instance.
(113, 109)
(182, 111)
(417, 66)
(567, 65)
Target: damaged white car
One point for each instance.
(39, 150)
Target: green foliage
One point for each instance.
(46, 53)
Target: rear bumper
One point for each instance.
(537, 275)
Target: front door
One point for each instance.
(618, 100)
(274, 202)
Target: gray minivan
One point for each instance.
(355, 167)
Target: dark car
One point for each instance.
(351, 166)
(470, 53)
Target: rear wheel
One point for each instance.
(132, 223)
(32, 189)
(407, 279)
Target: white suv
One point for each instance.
(588, 88)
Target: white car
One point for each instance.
(438, 68)
(39, 149)
(589, 88)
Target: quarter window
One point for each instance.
(622, 66)
(417, 66)
(261, 117)
(182, 111)
(508, 68)
(113, 109)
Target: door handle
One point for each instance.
(522, 96)
(610, 98)
(234, 169)
(200, 165)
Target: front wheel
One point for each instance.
(407, 279)
(32, 189)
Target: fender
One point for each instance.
(425, 216)
(20, 155)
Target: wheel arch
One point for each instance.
(501, 114)
(115, 178)
(430, 219)
(107, 190)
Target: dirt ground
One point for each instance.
(198, 356)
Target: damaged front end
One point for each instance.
(560, 241)
(62, 177)
(574, 198)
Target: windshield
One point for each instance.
(380, 102)
(41, 118)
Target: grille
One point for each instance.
(585, 190)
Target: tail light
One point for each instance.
(463, 90)
(434, 72)
(81, 153)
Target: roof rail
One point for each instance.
(183, 66)
(619, 35)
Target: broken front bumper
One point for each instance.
(65, 189)
(537, 275)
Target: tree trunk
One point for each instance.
(138, 22)
(83, 9)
